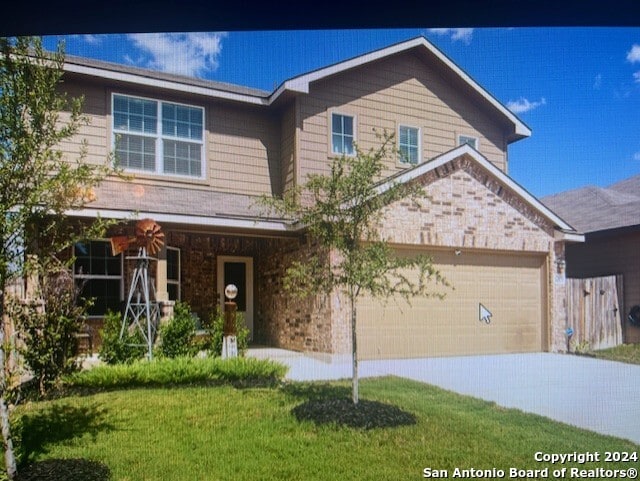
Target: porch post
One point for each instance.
(162, 293)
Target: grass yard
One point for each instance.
(629, 353)
(228, 433)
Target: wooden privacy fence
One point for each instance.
(594, 308)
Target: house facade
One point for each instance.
(609, 217)
(200, 154)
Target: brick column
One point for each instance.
(558, 298)
(162, 293)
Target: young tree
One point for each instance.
(341, 211)
(38, 186)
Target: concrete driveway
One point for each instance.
(601, 396)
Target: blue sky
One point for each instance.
(578, 89)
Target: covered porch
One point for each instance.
(195, 264)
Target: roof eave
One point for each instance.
(254, 225)
(568, 236)
(163, 84)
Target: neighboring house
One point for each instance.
(610, 219)
(201, 153)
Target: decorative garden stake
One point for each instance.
(569, 333)
(229, 339)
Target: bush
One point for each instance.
(177, 335)
(48, 330)
(181, 370)
(114, 350)
(217, 331)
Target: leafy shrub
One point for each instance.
(181, 370)
(48, 330)
(217, 333)
(114, 350)
(177, 335)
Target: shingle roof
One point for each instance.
(294, 85)
(592, 209)
(170, 77)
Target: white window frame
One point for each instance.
(90, 276)
(354, 137)
(175, 282)
(159, 138)
(471, 137)
(401, 159)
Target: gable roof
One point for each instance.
(293, 86)
(565, 231)
(301, 83)
(593, 209)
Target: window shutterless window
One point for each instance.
(158, 137)
(173, 273)
(99, 274)
(342, 134)
(409, 144)
(467, 139)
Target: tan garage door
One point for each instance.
(510, 287)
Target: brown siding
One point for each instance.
(401, 90)
(242, 144)
(288, 131)
(243, 150)
(94, 132)
(610, 256)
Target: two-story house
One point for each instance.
(201, 152)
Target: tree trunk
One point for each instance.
(354, 351)
(9, 457)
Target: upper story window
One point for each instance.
(467, 139)
(99, 274)
(158, 137)
(409, 144)
(342, 134)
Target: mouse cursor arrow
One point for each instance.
(485, 314)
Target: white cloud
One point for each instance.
(524, 105)
(597, 83)
(633, 55)
(87, 38)
(190, 54)
(92, 39)
(462, 34)
(636, 77)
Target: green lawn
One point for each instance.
(629, 353)
(227, 433)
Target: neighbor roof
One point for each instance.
(298, 84)
(593, 209)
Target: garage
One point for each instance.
(497, 305)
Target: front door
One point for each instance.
(238, 271)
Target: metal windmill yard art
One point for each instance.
(142, 312)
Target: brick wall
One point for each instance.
(198, 265)
(284, 320)
(465, 206)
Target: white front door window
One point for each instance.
(238, 271)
